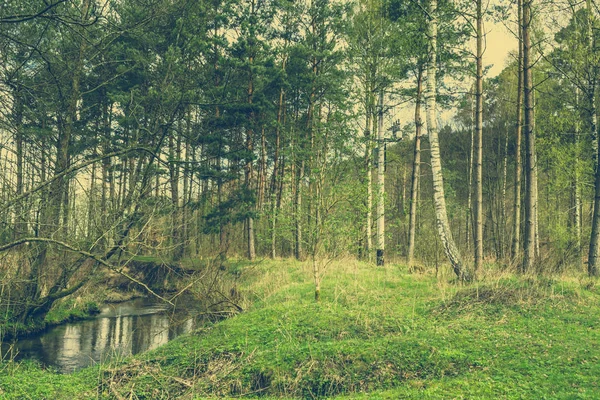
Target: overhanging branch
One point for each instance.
(87, 254)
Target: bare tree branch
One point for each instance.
(13, 19)
(67, 171)
(87, 254)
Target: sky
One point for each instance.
(499, 43)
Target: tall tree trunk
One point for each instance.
(516, 229)
(192, 227)
(248, 168)
(369, 176)
(19, 228)
(594, 249)
(92, 201)
(274, 179)
(122, 183)
(186, 190)
(469, 214)
(43, 174)
(536, 195)
(262, 176)
(529, 248)
(298, 212)
(380, 185)
(66, 203)
(436, 165)
(219, 159)
(503, 214)
(106, 167)
(576, 186)
(414, 192)
(112, 170)
(175, 156)
(314, 152)
(479, 144)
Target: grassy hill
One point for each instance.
(377, 333)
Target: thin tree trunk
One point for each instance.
(190, 222)
(248, 168)
(469, 213)
(43, 174)
(262, 177)
(380, 185)
(274, 180)
(368, 148)
(403, 206)
(19, 228)
(92, 203)
(536, 194)
(298, 212)
(516, 231)
(313, 154)
(576, 184)
(106, 167)
(186, 191)
(479, 144)
(529, 248)
(436, 166)
(593, 256)
(504, 224)
(175, 156)
(66, 203)
(415, 171)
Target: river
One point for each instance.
(119, 330)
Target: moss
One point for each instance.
(70, 311)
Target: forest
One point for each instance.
(334, 197)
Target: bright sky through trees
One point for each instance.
(500, 42)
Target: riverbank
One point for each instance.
(63, 312)
(377, 333)
(109, 287)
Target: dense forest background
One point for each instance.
(275, 128)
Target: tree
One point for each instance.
(529, 249)
(479, 141)
(414, 187)
(592, 64)
(443, 225)
(516, 232)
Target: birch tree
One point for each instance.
(439, 198)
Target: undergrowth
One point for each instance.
(377, 333)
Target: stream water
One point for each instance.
(119, 330)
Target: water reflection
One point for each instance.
(120, 330)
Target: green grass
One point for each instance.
(375, 334)
(70, 311)
(64, 311)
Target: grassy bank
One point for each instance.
(64, 311)
(376, 334)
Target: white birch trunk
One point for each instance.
(439, 199)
